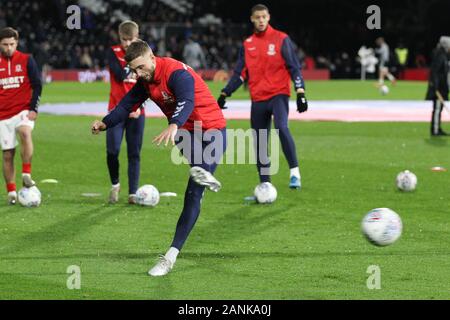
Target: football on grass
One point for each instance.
(382, 226)
(147, 195)
(265, 193)
(406, 181)
(29, 197)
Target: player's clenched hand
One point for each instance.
(32, 115)
(166, 135)
(98, 126)
(135, 114)
(221, 100)
(302, 103)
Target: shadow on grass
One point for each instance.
(230, 255)
(437, 141)
(244, 222)
(62, 230)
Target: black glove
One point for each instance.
(302, 103)
(221, 101)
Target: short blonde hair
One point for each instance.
(129, 28)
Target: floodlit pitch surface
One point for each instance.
(307, 245)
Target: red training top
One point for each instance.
(15, 86)
(205, 109)
(267, 72)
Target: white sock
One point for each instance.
(295, 172)
(380, 82)
(172, 254)
(116, 185)
(12, 193)
(26, 174)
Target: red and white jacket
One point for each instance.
(269, 62)
(20, 84)
(121, 82)
(180, 93)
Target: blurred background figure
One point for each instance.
(193, 54)
(438, 84)
(368, 61)
(384, 54)
(402, 55)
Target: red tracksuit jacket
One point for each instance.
(193, 104)
(15, 85)
(267, 72)
(268, 61)
(120, 82)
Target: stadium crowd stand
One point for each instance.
(168, 25)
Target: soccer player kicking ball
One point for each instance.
(268, 61)
(188, 104)
(384, 54)
(20, 91)
(122, 80)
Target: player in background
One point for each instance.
(189, 106)
(122, 80)
(384, 54)
(268, 61)
(438, 83)
(20, 91)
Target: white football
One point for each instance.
(384, 89)
(29, 197)
(382, 226)
(265, 193)
(406, 181)
(147, 195)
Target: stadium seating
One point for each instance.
(166, 24)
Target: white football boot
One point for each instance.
(114, 194)
(205, 178)
(162, 267)
(27, 181)
(12, 198)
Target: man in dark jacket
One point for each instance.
(438, 84)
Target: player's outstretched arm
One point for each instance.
(130, 103)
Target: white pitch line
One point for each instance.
(333, 110)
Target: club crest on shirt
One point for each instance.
(271, 51)
(18, 68)
(167, 98)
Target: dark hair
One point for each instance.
(259, 7)
(136, 49)
(8, 33)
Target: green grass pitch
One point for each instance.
(316, 90)
(307, 245)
